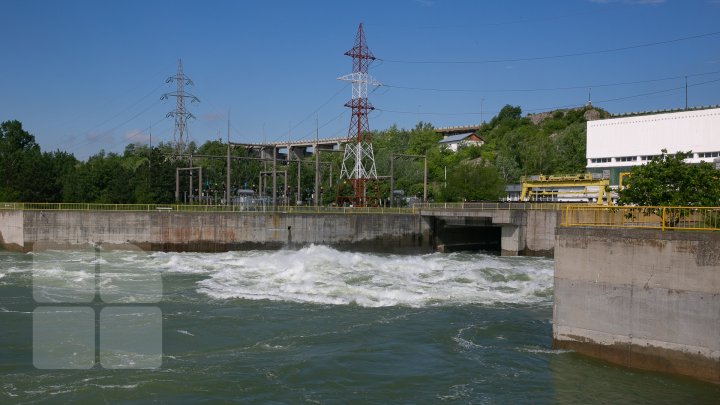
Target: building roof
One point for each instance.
(637, 113)
(458, 137)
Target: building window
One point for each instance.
(600, 160)
(626, 159)
(709, 154)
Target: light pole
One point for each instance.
(392, 175)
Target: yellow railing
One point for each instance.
(202, 208)
(479, 206)
(663, 218)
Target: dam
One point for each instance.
(510, 229)
(643, 298)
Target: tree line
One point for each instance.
(514, 146)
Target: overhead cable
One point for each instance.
(559, 56)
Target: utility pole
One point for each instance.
(482, 120)
(274, 181)
(227, 183)
(392, 180)
(147, 179)
(425, 173)
(425, 181)
(299, 193)
(177, 180)
(317, 165)
(686, 94)
(286, 195)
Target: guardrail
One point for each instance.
(202, 208)
(478, 206)
(474, 206)
(663, 218)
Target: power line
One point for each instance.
(462, 26)
(326, 123)
(121, 112)
(425, 113)
(559, 56)
(312, 114)
(148, 108)
(541, 89)
(610, 100)
(104, 104)
(658, 91)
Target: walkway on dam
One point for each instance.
(511, 228)
(428, 209)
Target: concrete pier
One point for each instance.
(640, 298)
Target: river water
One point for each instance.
(316, 326)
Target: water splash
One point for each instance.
(322, 275)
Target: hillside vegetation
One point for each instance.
(515, 146)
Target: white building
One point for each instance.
(615, 145)
(453, 142)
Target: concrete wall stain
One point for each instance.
(707, 254)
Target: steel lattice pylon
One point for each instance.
(181, 115)
(358, 166)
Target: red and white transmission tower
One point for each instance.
(358, 166)
(181, 114)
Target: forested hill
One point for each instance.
(515, 145)
(548, 143)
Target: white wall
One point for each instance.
(645, 135)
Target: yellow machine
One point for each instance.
(577, 184)
(621, 177)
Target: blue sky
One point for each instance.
(88, 75)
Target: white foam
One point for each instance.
(539, 350)
(321, 275)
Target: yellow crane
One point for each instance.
(535, 186)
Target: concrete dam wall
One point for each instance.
(641, 298)
(510, 232)
(210, 232)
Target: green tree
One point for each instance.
(27, 174)
(570, 149)
(668, 181)
(19, 156)
(468, 182)
(507, 167)
(102, 179)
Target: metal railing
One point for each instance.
(202, 208)
(479, 206)
(415, 209)
(663, 218)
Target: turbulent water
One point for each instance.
(315, 326)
